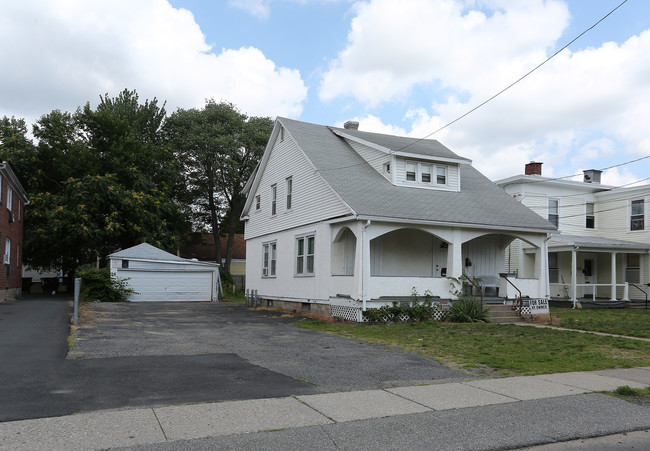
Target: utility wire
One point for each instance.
(495, 95)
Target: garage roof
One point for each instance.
(146, 251)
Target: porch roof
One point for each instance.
(594, 243)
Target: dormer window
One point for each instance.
(441, 175)
(425, 173)
(411, 168)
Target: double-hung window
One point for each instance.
(305, 247)
(289, 190)
(441, 175)
(633, 269)
(7, 258)
(274, 199)
(425, 173)
(411, 170)
(10, 195)
(258, 202)
(269, 259)
(590, 219)
(637, 216)
(554, 212)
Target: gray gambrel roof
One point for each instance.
(146, 251)
(480, 202)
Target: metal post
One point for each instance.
(77, 289)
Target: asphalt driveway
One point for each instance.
(153, 354)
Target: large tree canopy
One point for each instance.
(219, 148)
(98, 181)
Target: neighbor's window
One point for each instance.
(258, 202)
(10, 195)
(633, 269)
(411, 168)
(305, 247)
(590, 219)
(441, 175)
(637, 217)
(269, 259)
(125, 264)
(289, 189)
(553, 212)
(7, 258)
(274, 198)
(553, 268)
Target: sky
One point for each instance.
(405, 67)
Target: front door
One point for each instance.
(588, 275)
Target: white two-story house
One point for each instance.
(601, 254)
(338, 220)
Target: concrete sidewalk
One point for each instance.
(544, 396)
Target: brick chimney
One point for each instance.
(351, 125)
(534, 168)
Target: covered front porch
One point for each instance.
(374, 262)
(593, 269)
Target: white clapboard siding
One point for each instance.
(312, 199)
(375, 158)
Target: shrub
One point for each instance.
(99, 285)
(626, 390)
(468, 310)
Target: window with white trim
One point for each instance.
(7, 258)
(425, 173)
(274, 198)
(10, 196)
(305, 247)
(554, 212)
(441, 175)
(269, 259)
(633, 268)
(289, 190)
(637, 215)
(590, 218)
(411, 169)
(258, 202)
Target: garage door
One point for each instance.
(169, 285)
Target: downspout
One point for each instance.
(365, 265)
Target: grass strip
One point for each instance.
(623, 321)
(481, 348)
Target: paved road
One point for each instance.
(137, 355)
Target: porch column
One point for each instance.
(613, 276)
(574, 275)
(455, 256)
(365, 265)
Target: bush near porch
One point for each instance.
(486, 349)
(620, 321)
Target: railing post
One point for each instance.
(626, 291)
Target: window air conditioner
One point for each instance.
(11, 216)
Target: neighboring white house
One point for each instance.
(604, 244)
(341, 217)
(157, 275)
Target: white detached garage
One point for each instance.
(157, 275)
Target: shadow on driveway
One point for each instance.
(153, 354)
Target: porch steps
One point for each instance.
(503, 314)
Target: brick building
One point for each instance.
(12, 205)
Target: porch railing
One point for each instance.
(567, 287)
(642, 291)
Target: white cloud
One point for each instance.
(257, 8)
(579, 110)
(66, 53)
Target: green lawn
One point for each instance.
(481, 348)
(632, 322)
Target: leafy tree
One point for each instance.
(219, 147)
(98, 180)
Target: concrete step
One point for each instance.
(503, 314)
